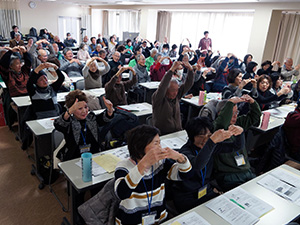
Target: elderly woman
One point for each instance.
(92, 73)
(82, 53)
(80, 127)
(265, 97)
(158, 70)
(144, 174)
(267, 67)
(97, 50)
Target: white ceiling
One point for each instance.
(159, 2)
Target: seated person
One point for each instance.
(101, 40)
(112, 45)
(40, 51)
(60, 45)
(125, 56)
(92, 73)
(115, 63)
(15, 31)
(248, 58)
(82, 53)
(277, 82)
(158, 70)
(288, 71)
(69, 41)
(165, 100)
(150, 60)
(80, 127)
(129, 46)
(13, 73)
(231, 163)
(92, 46)
(29, 43)
(17, 41)
(267, 66)
(146, 49)
(44, 96)
(52, 76)
(144, 172)
(291, 127)
(57, 53)
(265, 96)
(173, 52)
(236, 85)
(136, 52)
(227, 64)
(250, 74)
(72, 67)
(115, 89)
(97, 51)
(188, 55)
(102, 54)
(200, 150)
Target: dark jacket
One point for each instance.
(266, 98)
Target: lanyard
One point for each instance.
(149, 199)
(237, 153)
(202, 176)
(84, 136)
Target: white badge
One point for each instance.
(240, 160)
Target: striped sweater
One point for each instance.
(130, 188)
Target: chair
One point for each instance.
(101, 101)
(56, 139)
(149, 121)
(80, 84)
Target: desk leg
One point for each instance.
(76, 201)
(145, 94)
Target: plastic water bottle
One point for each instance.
(72, 87)
(205, 95)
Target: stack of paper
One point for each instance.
(239, 207)
(173, 143)
(191, 218)
(134, 107)
(47, 123)
(107, 162)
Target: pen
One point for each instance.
(237, 203)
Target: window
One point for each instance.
(69, 24)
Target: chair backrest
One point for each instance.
(80, 84)
(101, 101)
(209, 110)
(57, 138)
(149, 121)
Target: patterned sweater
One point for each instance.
(132, 190)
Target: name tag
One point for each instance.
(84, 148)
(148, 219)
(202, 192)
(240, 160)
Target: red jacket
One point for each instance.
(157, 71)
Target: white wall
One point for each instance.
(46, 14)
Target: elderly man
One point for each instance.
(85, 40)
(288, 71)
(57, 53)
(72, 67)
(40, 54)
(158, 70)
(115, 63)
(146, 49)
(16, 41)
(150, 59)
(93, 45)
(165, 100)
(60, 45)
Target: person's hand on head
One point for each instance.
(235, 130)
(187, 65)
(22, 49)
(235, 100)
(297, 67)
(220, 135)
(229, 55)
(244, 83)
(16, 49)
(254, 83)
(77, 104)
(153, 155)
(248, 99)
(175, 66)
(132, 70)
(172, 154)
(109, 106)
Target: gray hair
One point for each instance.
(66, 50)
(17, 34)
(153, 50)
(156, 56)
(81, 45)
(138, 57)
(174, 81)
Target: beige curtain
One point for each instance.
(163, 28)
(9, 16)
(105, 23)
(288, 38)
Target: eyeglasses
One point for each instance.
(235, 113)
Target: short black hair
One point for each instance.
(206, 32)
(267, 62)
(166, 46)
(174, 47)
(232, 75)
(14, 26)
(68, 33)
(138, 138)
(121, 48)
(92, 38)
(198, 125)
(128, 40)
(102, 51)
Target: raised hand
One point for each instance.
(247, 98)
(235, 130)
(176, 65)
(187, 65)
(220, 135)
(172, 154)
(244, 83)
(109, 106)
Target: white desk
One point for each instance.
(284, 211)
(74, 176)
(96, 91)
(149, 89)
(75, 79)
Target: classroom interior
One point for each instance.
(22, 202)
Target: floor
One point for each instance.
(21, 200)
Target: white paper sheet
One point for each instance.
(252, 204)
(96, 169)
(47, 123)
(134, 107)
(191, 218)
(173, 143)
(231, 212)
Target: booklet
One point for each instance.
(239, 207)
(191, 218)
